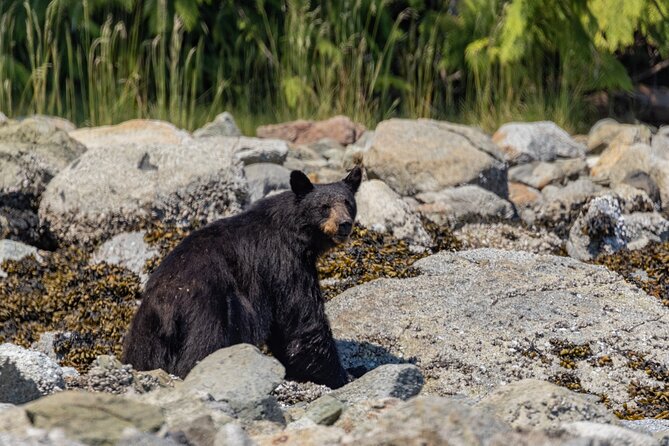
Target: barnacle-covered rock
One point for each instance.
(112, 189)
(26, 375)
(600, 228)
(603, 228)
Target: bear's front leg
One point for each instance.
(304, 344)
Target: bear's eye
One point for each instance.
(325, 207)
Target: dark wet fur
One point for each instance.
(250, 278)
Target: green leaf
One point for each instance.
(617, 21)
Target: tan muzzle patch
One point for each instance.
(337, 215)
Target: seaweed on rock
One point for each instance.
(646, 268)
(65, 293)
(371, 255)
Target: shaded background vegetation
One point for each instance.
(477, 61)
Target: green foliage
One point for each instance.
(99, 61)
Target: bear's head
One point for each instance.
(328, 207)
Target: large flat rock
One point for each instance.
(475, 320)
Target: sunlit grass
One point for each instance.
(315, 63)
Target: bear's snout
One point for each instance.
(344, 229)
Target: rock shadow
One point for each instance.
(359, 358)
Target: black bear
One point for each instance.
(250, 278)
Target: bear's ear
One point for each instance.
(353, 179)
(300, 183)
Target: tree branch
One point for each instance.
(652, 70)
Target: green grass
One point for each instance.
(309, 60)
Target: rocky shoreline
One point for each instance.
(504, 289)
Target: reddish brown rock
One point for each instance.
(523, 196)
(340, 128)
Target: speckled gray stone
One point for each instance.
(471, 318)
(535, 404)
(390, 380)
(128, 250)
(26, 375)
(223, 125)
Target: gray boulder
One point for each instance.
(535, 404)
(355, 152)
(59, 123)
(240, 376)
(32, 151)
(113, 189)
(325, 410)
(128, 250)
(331, 150)
(381, 209)
(459, 205)
(561, 205)
(257, 150)
(414, 156)
(26, 375)
(539, 174)
(11, 250)
(223, 125)
(265, 178)
(475, 320)
(523, 142)
(387, 381)
(93, 418)
(234, 382)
